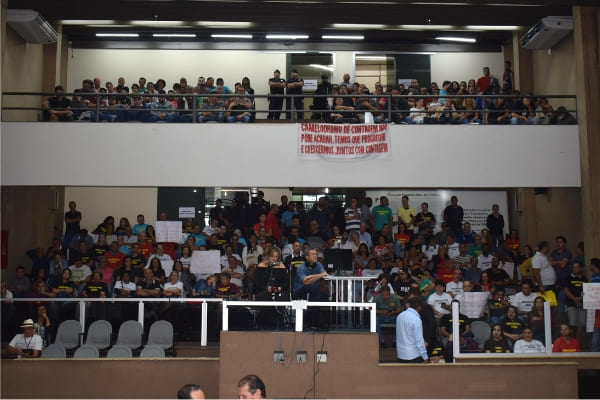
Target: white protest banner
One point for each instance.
(591, 296)
(205, 262)
(343, 142)
(167, 266)
(168, 231)
(472, 304)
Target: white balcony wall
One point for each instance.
(265, 155)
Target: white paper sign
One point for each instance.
(310, 84)
(168, 267)
(472, 304)
(205, 262)
(187, 212)
(591, 296)
(168, 231)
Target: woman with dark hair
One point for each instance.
(157, 270)
(271, 281)
(525, 268)
(535, 319)
(496, 343)
(512, 326)
(122, 228)
(362, 258)
(150, 235)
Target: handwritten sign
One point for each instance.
(591, 296)
(168, 231)
(205, 262)
(472, 304)
(343, 142)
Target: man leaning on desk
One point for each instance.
(308, 275)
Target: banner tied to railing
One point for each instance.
(343, 142)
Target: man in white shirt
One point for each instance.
(410, 345)
(543, 272)
(233, 264)
(162, 256)
(524, 299)
(440, 300)
(453, 246)
(528, 344)
(455, 287)
(26, 344)
(81, 275)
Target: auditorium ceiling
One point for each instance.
(382, 23)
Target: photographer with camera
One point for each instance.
(26, 344)
(272, 281)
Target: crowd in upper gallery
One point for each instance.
(211, 100)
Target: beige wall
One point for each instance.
(95, 203)
(554, 71)
(29, 214)
(21, 72)
(465, 66)
(559, 213)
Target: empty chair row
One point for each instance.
(88, 351)
(130, 335)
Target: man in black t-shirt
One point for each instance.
(57, 108)
(294, 87)
(276, 86)
(72, 219)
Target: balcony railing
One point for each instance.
(27, 106)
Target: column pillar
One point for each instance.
(586, 21)
(522, 65)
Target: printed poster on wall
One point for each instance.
(343, 142)
(476, 204)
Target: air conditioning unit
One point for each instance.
(547, 32)
(31, 26)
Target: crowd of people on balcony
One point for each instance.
(452, 102)
(275, 252)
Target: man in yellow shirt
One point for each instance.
(407, 215)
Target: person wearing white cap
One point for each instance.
(26, 344)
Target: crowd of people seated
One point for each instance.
(274, 252)
(345, 102)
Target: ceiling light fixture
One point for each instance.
(230, 36)
(493, 27)
(180, 35)
(224, 24)
(156, 23)
(371, 58)
(342, 37)
(85, 21)
(358, 26)
(426, 27)
(117, 34)
(456, 39)
(290, 37)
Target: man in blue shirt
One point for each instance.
(307, 278)
(410, 345)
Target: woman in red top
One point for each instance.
(566, 343)
(402, 236)
(440, 259)
(446, 272)
(262, 219)
(513, 243)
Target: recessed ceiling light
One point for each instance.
(156, 23)
(117, 34)
(437, 3)
(85, 21)
(493, 27)
(456, 39)
(230, 36)
(290, 37)
(342, 37)
(371, 58)
(358, 26)
(225, 24)
(182, 35)
(426, 27)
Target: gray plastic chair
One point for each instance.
(69, 334)
(56, 350)
(119, 351)
(161, 334)
(481, 331)
(130, 334)
(99, 334)
(152, 351)
(87, 351)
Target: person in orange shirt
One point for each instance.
(566, 343)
